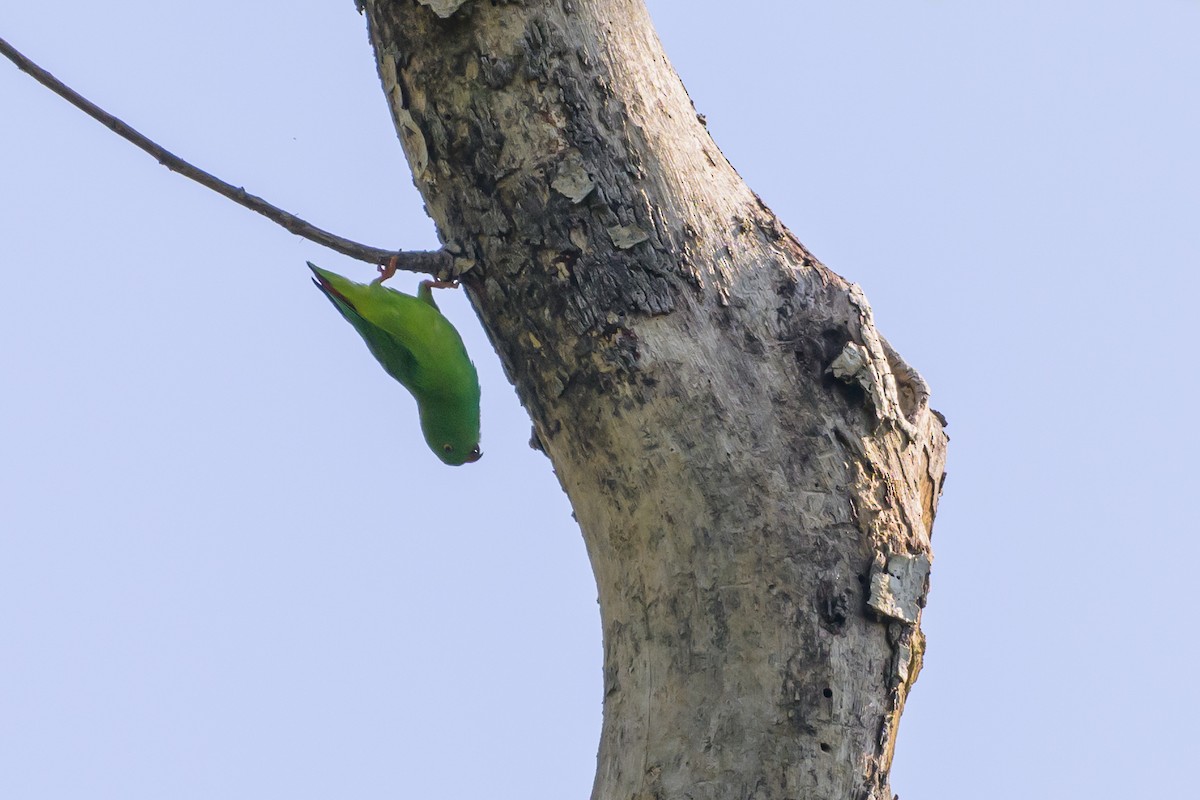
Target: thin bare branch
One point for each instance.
(436, 262)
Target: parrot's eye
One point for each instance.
(449, 448)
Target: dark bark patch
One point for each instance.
(497, 72)
(834, 606)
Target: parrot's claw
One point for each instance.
(386, 271)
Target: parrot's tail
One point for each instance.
(325, 286)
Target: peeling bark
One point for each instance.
(754, 469)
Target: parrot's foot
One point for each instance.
(425, 290)
(386, 271)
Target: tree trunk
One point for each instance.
(754, 470)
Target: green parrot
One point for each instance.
(420, 348)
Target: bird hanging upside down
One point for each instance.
(419, 348)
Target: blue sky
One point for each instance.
(229, 567)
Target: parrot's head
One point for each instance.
(452, 434)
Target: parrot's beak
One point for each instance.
(474, 455)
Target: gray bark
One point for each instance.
(754, 470)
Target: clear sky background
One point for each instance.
(229, 568)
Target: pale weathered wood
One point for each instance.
(755, 471)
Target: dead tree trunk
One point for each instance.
(755, 471)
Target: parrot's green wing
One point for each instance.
(392, 353)
(418, 347)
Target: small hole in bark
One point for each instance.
(824, 747)
(828, 692)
